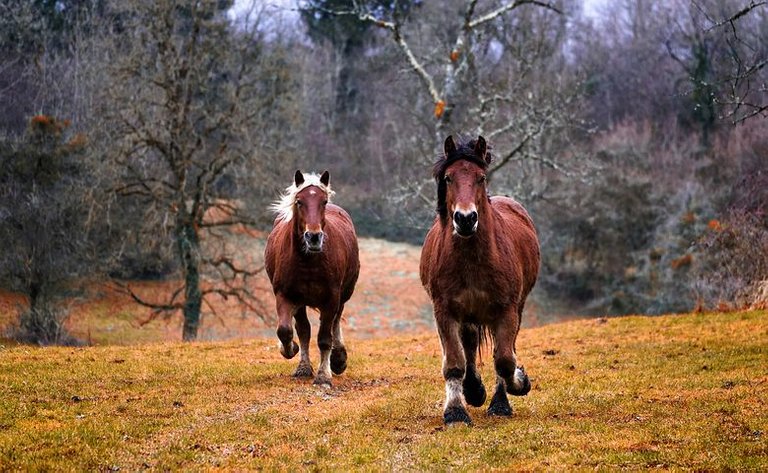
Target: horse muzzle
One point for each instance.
(314, 241)
(465, 224)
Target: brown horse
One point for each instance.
(312, 261)
(479, 262)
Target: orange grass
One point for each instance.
(672, 392)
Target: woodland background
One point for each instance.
(135, 136)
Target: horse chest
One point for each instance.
(475, 292)
(308, 284)
(472, 301)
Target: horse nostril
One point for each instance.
(465, 219)
(312, 237)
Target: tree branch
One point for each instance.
(731, 19)
(508, 7)
(171, 306)
(394, 28)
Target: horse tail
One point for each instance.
(484, 337)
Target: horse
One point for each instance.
(479, 262)
(312, 260)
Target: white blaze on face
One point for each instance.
(464, 210)
(317, 231)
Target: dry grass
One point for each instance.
(673, 392)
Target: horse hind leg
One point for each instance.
(303, 331)
(325, 344)
(474, 390)
(505, 358)
(499, 405)
(511, 378)
(521, 385)
(339, 350)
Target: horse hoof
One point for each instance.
(323, 383)
(499, 403)
(338, 360)
(474, 391)
(454, 415)
(294, 350)
(499, 408)
(520, 385)
(303, 371)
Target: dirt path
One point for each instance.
(388, 299)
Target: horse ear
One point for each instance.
(325, 178)
(481, 150)
(298, 178)
(450, 145)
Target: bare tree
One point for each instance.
(495, 68)
(447, 82)
(744, 27)
(187, 101)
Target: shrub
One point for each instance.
(734, 266)
(42, 326)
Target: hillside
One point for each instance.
(668, 392)
(388, 300)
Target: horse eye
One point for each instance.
(447, 179)
(298, 203)
(481, 180)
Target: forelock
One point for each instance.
(283, 206)
(465, 151)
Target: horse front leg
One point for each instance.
(510, 378)
(454, 367)
(325, 344)
(339, 351)
(303, 331)
(285, 311)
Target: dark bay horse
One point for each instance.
(479, 262)
(312, 261)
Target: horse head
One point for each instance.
(309, 209)
(461, 181)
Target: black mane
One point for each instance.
(465, 150)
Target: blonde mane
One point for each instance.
(283, 206)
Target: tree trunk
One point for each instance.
(189, 251)
(34, 295)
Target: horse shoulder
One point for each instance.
(340, 227)
(520, 233)
(338, 212)
(512, 210)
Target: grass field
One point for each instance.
(672, 392)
